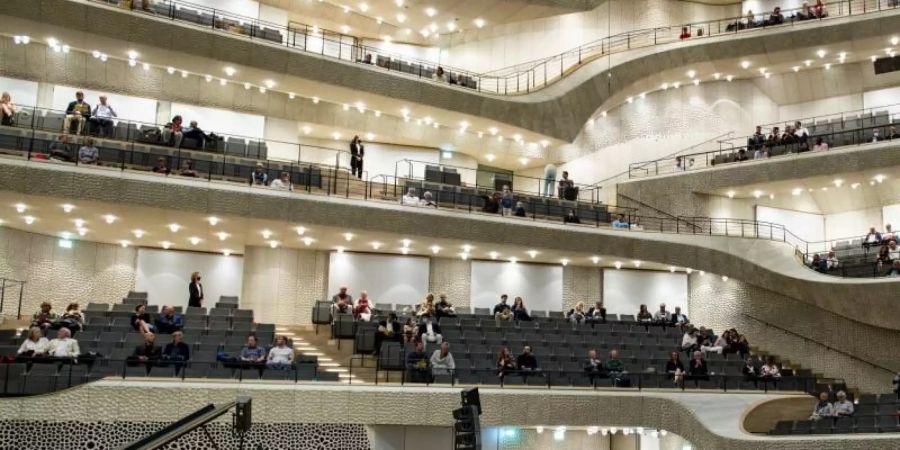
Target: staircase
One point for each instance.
(330, 357)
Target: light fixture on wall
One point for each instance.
(821, 53)
(672, 269)
(21, 39)
(691, 73)
(20, 207)
(466, 248)
(170, 70)
(315, 100)
(745, 64)
(306, 129)
(730, 194)
(230, 71)
(493, 255)
(430, 12)
(757, 194)
(464, 256)
(532, 253)
(513, 259)
(724, 278)
(728, 78)
(307, 241)
(184, 74)
(78, 223)
(479, 22)
(300, 230)
(208, 78)
(564, 261)
(435, 249)
(174, 227)
(404, 250)
(222, 82)
(124, 244)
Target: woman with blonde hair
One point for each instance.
(7, 110)
(426, 308)
(195, 290)
(35, 344)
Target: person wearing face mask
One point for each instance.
(195, 290)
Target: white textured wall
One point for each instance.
(539, 285)
(87, 272)
(581, 284)
(852, 223)
(164, 275)
(451, 276)
(282, 285)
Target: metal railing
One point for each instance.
(517, 79)
(11, 289)
(855, 259)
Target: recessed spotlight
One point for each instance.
(717, 75)
(376, 245)
(629, 100)
(174, 227)
(821, 53)
(435, 249)
(262, 90)
(138, 233)
(636, 263)
(208, 78)
(795, 68)
(879, 178)
(109, 218)
(513, 260)
(165, 245)
(348, 236)
(797, 191)
(757, 194)
(771, 196)
(306, 129)
(430, 12)
(691, 73)
(489, 157)
(338, 248)
(315, 100)
(273, 244)
(479, 22)
(78, 223)
(146, 66)
(230, 71)
(222, 235)
(730, 194)
(689, 271)
(184, 74)
(672, 269)
(379, 20)
(724, 278)
(406, 242)
(493, 255)
(307, 241)
(404, 250)
(300, 230)
(807, 63)
(269, 83)
(745, 64)
(524, 161)
(675, 85)
(247, 86)
(346, 9)
(768, 75)
(67, 207)
(532, 253)
(124, 244)
(226, 252)
(564, 262)
(223, 82)
(28, 220)
(464, 256)
(729, 78)
(194, 240)
(345, 29)
(595, 259)
(838, 182)
(895, 40)
(854, 185)
(266, 234)
(20, 207)
(618, 264)
(364, 7)
(696, 82)
(827, 66)
(467, 248)
(377, 113)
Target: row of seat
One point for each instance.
(886, 423)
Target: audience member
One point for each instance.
(593, 366)
(689, 342)
(78, 112)
(88, 153)
(410, 331)
(259, 177)
(73, 318)
(173, 132)
(410, 199)
(443, 308)
(45, 317)
(820, 145)
(571, 217)
(283, 182)
(679, 319)
(749, 370)
(876, 136)
(187, 169)
(35, 344)
(823, 408)
(193, 131)
(363, 309)
(520, 210)
(281, 357)
(697, 368)
(342, 302)
(685, 33)
(161, 166)
(491, 203)
(8, 110)
(718, 345)
(389, 330)
(620, 222)
(169, 321)
(644, 316)
(102, 117)
(597, 313)
(59, 150)
(567, 189)
(519, 311)
(577, 314)
(843, 407)
(442, 362)
(675, 369)
(417, 362)
(357, 153)
(63, 346)
(505, 362)
(427, 200)
(821, 11)
(616, 370)
(439, 75)
(506, 200)
(872, 238)
(894, 270)
(177, 350)
(426, 308)
(662, 316)
(888, 234)
(832, 262)
(140, 320)
(147, 351)
(818, 264)
(893, 134)
(502, 311)
(430, 332)
(195, 291)
(526, 361)
(776, 18)
(252, 352)
(769, 370)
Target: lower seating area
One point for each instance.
(873, 414)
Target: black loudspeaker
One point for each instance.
(470, 397)
(242, 415)
(467, 430)
(887, 65)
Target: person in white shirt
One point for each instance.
(102, 117)
(35, 344)
(427, 200)
(800, 131)
(689, 341)
(430, 331)
(662, 316)
(63, 346)
(442, 360)
(893, 251)
(770, 370)
(410, 199)
(283, 182)
(717, 346)
(832, 261)
(842, 407)
(823, 408)
(280, 356)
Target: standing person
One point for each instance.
(195, 291)
(549, 179)
(357, 152)
(78, 111)
(506, 200)
(7, 110)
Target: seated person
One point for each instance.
(519, 311)
(620, 222)
(102, 117)
(88, 153)
(430, 331)
(662, 317)
(388, 329)
(685, 33)
(161, 166)
(410, 199)
(193, 131)
(35, 344)
(169, 321)
(675, 369)
(63, 346)
(820, 145)
(689, 341)
(577, 314)
(426, 308)
(894, 270)
(520, 210)
(140, 320)
(832, 262)
(502, 311)
(59, 149)
(491, 203)
(428, 200)
(172, 133)
(644, 316)
(616, 369)
(769, 370)
(78, 112)
(893, 134)
(342, 302)
(259, 176)
(597, 313)
(283, 182)
(176, 350)
(73, 318)
(45, 317)
(679, 319)
(281, 356)
(818, 264)
(252, 352)
(442, 360)
(876, 136)
(776, 18)
(571, 217)
(697, 369)
(823, 408)
(526, 361)
(716, 346)
(843, 407)
(147, 351)
(417, 363)
(873, 238)
(749, 370)
(410, 331)
(505, 362)
(187, 169)
(593, 366)
(363, 308)
(443, 308)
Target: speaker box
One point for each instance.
(242, 416)
(887, 65)
(470, 397)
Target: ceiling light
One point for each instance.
(757, 193)
(730, 194)
(545, 143)
(132, 63)
(629, 100)
(665, 86)
(78, 223)
(479, 22)
(771, 196)
(618, 264)
(364, 7)
(348, 237)
(406, 242)
(404, 250)
(838, 182)
(95, 53)
(430, 12)
(370, 136)
(895, 40)
(138, 233)
(22, 40)
(729, 78)
(306, 129)
(689, 270)
(213, 220)
(636, 263)
(524, 161)
(109, 218)
(564, 262)
(854, 185)
(676, 84)
(717, 75)
(376, 245)
(513, 260)
(821, 53)
(346, 9)
(828, 66)
(184, 74)
(194, 240)
(300, 230)
(724, 278)
(345, 107)
(377, 113)
(399, 3)
(262, 90)
(379, 20)
(691, 73)
(878, 178)
(174, 227)
(532, 253)
(796, 68)
(768, 75)
(165, 244)
(307, 241)
(467, 248)
(464, 256)
(266, 234)
(433, 27)
(103, 57)
(336, 135)
(222, 235)
(590, 122)
(315, 100)
(451, 26)
(489, 157)
(269, 83)
(797, 191)
(595, 259)
(345, 29)
(603, 114)
(229, 71)
(435, 249)
(493, 255)
(223, 82)
(745, 64)
(807, 63)
(360, 106)
(28, 220)
(338, 248)
(226, 252)
(124, 244)
(21, 207)
(696, 82)
(273, 244)
(247, 86)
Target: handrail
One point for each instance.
(851, 114)
(517, 79)
(892, 372)
(7, 283)
(655, 209)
